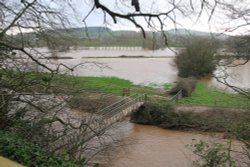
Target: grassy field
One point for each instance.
(113, 85)
(207, 96)
(202, 96)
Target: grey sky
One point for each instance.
(187, 19)
(219, 23)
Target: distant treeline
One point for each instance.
(63, 39)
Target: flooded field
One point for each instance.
(137, 65)
(155, 67)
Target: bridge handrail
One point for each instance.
(175, 97)
(113, 111)
(118, 105)
(107, 107)
(135, 97)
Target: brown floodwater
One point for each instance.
(157, 67)
(136, 145)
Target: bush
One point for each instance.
(219, 120)
(154, 115)
(214, 154)
(187, 85)
(197, 59)
(30, 154)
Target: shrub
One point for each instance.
(219, 120)
(155, 115)
(197, 59)
(214, 154)
(187, 85)
(30, 154)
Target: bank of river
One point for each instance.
(150, 146)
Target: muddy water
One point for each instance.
(158, 70)
(138, 70)
(150, 146)
(149, 70)
(154, 147)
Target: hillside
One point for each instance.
(186, 32)
(104, 36)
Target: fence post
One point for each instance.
(126, 92)
(145, 98)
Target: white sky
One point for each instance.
(187, 20)
(219, 22)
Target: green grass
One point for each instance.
(168, 86)
(202, 96)
(112, 85)
(206, 96)
(32, 81)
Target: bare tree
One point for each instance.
(31, 104)
(48, 20)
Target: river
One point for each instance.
(138, 145)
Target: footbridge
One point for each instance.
(107, 116)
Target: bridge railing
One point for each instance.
(175, 98)
(112, 109)
(117, 109)
(112, 113)
(162, 100)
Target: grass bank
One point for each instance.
(111, 85)
(202, 96)
(208, 96)
(39, 82)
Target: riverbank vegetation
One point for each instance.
(185, 85)
(197, 59)
(214, 120)
(31, 154)
(113, 85)
(203, 94)
(38, 81)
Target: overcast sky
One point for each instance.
(188, 19)
(219, 23)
